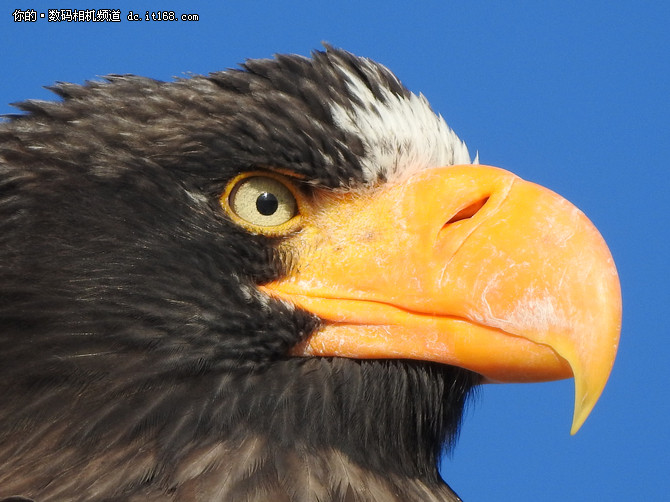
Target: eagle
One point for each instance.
(281, 282)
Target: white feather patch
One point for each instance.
(402, 135)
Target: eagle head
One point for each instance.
(279, 281)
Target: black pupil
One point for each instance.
(267, 204)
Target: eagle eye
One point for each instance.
(261, 201)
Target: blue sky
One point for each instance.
(572, 95)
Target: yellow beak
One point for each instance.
(466, 265)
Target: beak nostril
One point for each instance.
(468, 211)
